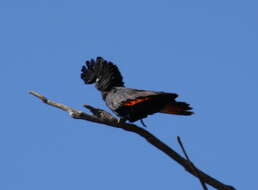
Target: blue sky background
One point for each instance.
(206, 51)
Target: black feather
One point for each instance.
(143, 109)
(104, 73)
(120, 100)
(88, 72)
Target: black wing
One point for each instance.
(134, 104)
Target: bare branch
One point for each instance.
(191, 163)
(103, 117)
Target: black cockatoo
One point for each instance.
(127, 103)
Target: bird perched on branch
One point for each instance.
(127, 103)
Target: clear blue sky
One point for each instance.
(206, 51)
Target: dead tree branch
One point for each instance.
(191, 163)
(103, 117)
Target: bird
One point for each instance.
(127, 103)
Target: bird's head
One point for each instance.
(105, 74)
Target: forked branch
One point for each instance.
(103, 117)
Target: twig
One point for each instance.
(100, 116)
(191, 163)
